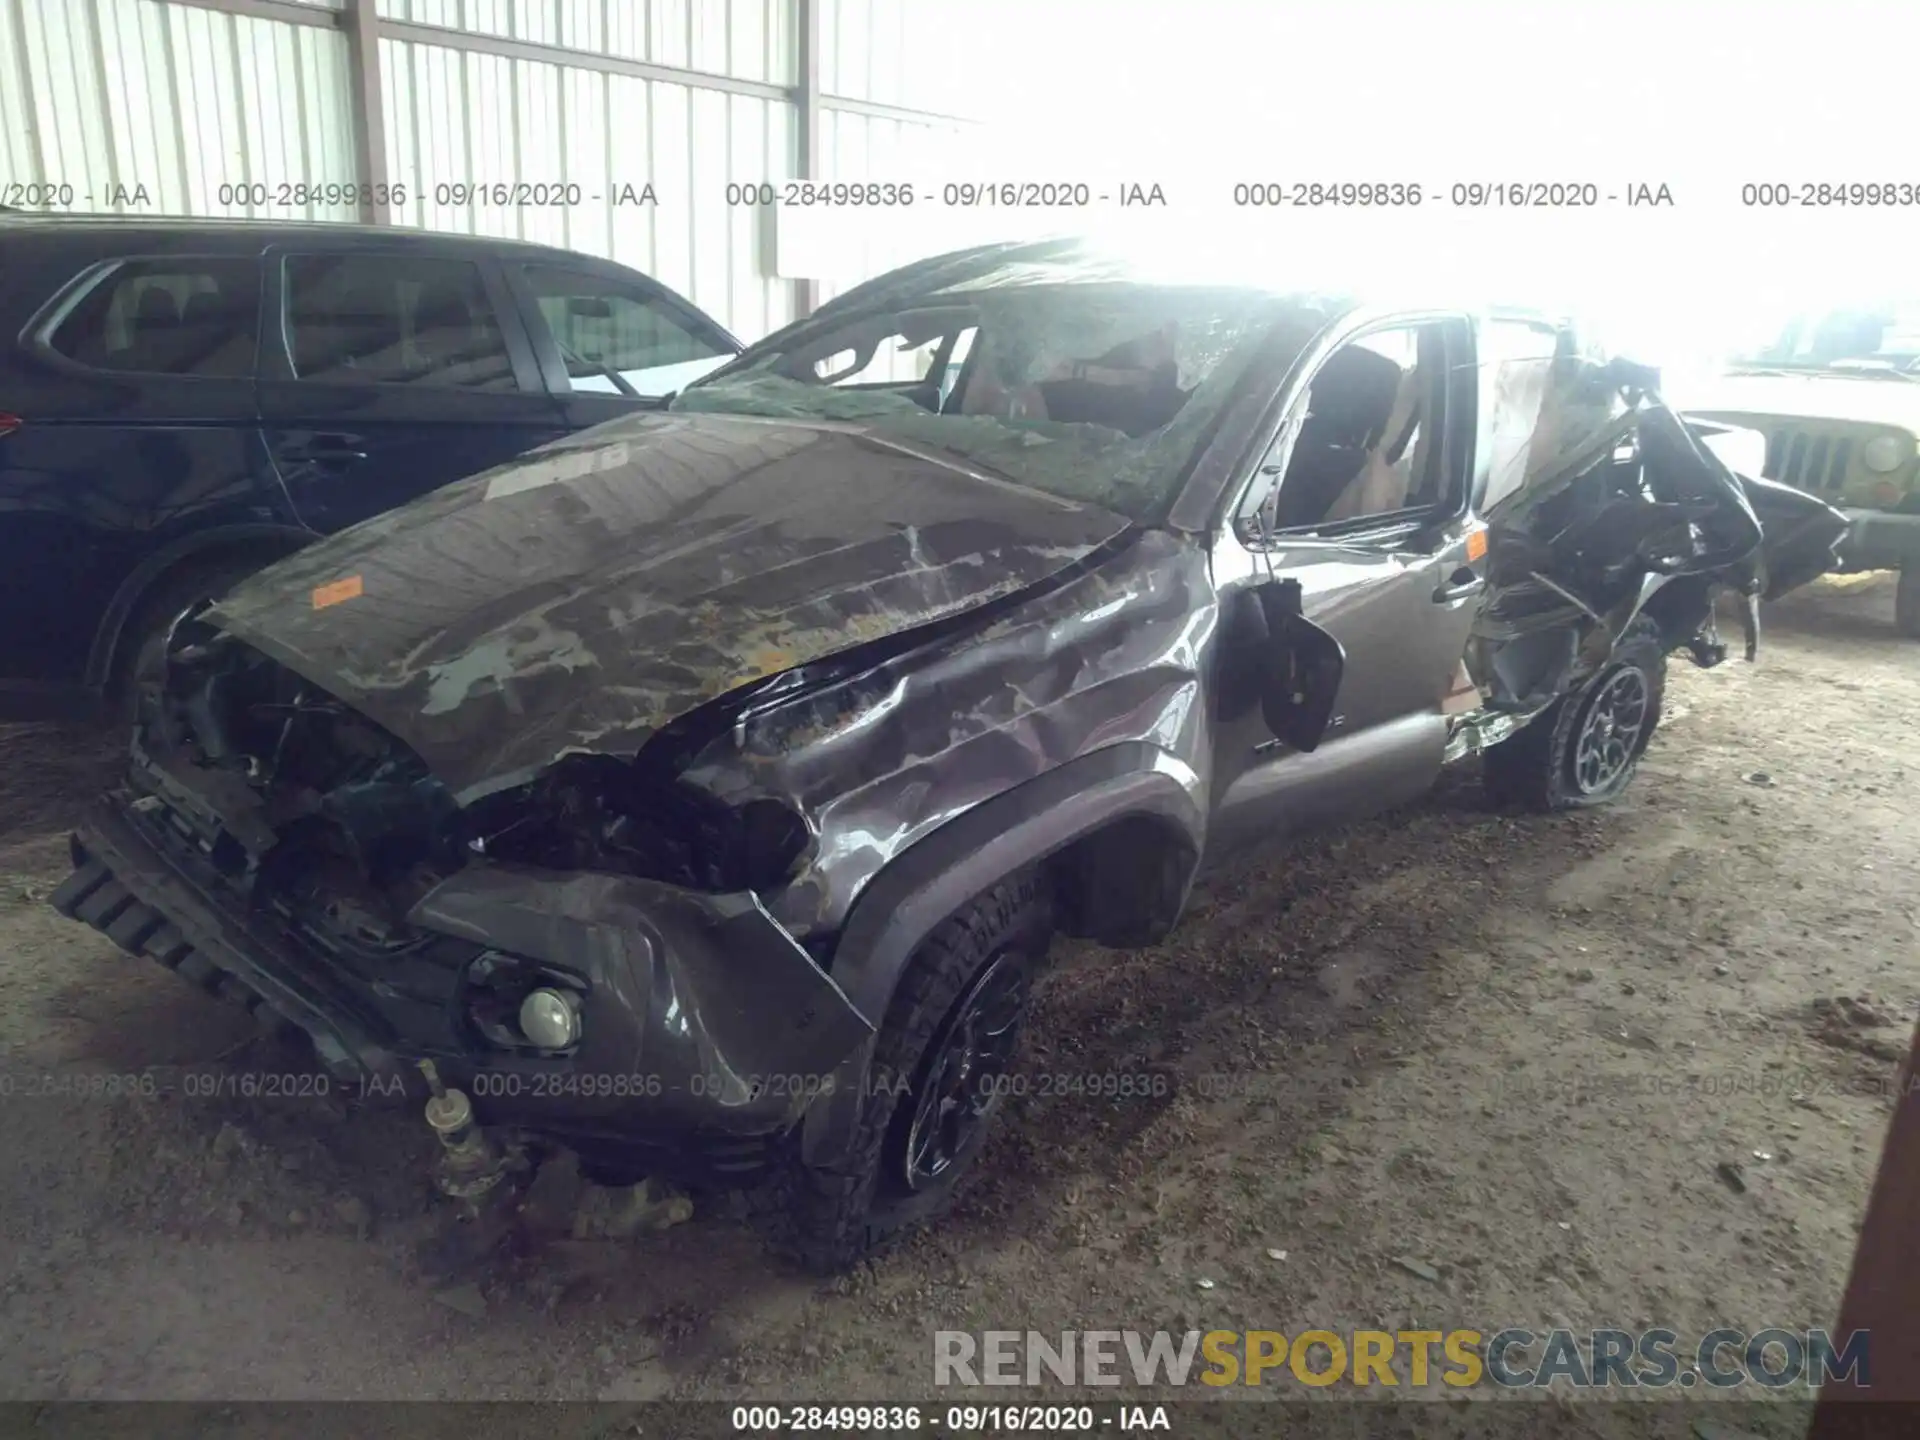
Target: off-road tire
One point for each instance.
(142, 641)
(1535, 767)
(1906, 601)
(829, 1219)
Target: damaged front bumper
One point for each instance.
(704, 1028)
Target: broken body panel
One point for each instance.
(709, 719)
(1627, 511)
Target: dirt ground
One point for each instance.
(1513, 1049)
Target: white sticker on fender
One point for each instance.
(556, 469)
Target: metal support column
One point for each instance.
(369, 109)
(806, 99)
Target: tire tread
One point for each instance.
(1528, 769)
(827, 1219)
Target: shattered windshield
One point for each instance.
(1883, 339)
(1092, 391)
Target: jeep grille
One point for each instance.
(1809, 459)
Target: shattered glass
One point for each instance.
(1029, 336)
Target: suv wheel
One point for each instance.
(935, 1083)
(1584, 748)
(1906, 601)
(143, 644)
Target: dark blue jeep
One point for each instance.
(183, 401)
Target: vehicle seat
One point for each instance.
(208, 327)
(1349, 411)
(1387, 474)
(442, 324)
(203, 310)
(358, 333)
(449, 339)
(154, 332)
(982, 394)
(370, 322)
(1146, 400)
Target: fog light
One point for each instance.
(550, 1019)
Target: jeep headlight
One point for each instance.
(1886, 453)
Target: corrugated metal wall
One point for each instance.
(746, 39)
(164, 107)
(859, 147)
(139, 107)
(891, 52)
(895, 52)
(596, 141)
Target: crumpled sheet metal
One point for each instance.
(1744, 529)
(878, 762)
(722, 996)
(657, 564)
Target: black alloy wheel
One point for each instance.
(962, 1082)
(1610, 731)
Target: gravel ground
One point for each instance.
(1515, 1050)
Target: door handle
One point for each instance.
(325, 449)
(1459, 586)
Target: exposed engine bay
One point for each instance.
(576, 921)
(341, 826)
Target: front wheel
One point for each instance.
(1583, 749)
(940, 1065)
(1906, 601)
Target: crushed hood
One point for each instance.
(1894, 403)
(591, 592)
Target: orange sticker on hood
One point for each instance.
(1476, 547)
(333, 594)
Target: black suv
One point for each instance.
(183, 401)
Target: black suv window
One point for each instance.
(603, 325)
(168, 317)
(393, 319)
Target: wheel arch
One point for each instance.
(1045, 821)
(271, 541)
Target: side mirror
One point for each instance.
(1273, 653)
(1305, 664)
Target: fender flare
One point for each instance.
(105, 649)
(933, 879)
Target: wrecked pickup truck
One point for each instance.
(699, 793)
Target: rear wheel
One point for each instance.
(937, 1079)
(1583, 750)
(140, 665)
(1906, 601)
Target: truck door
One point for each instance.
(1363, 501)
